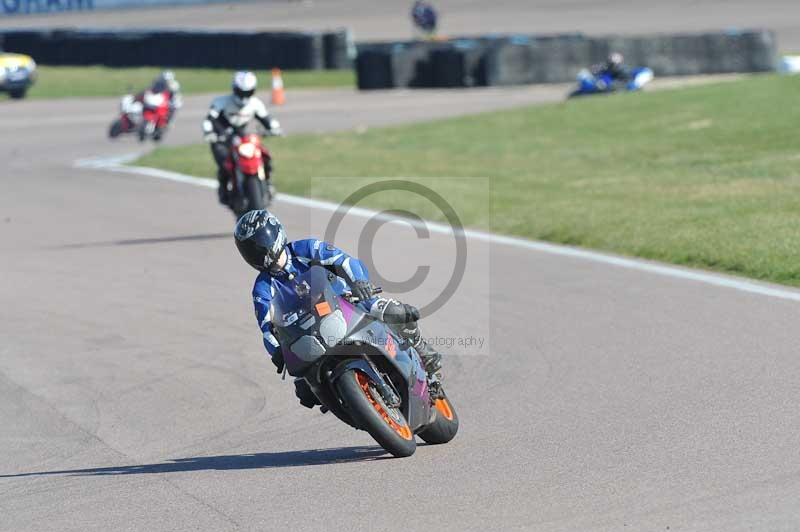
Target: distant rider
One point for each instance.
(263, 244)
(169, 83)
(165, 83)
(614, 68)
(424, 16)
(234, 112)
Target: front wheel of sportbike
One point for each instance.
(116, 129)
(445, 422)
(269, 193)
(385, 424)
(254, 193)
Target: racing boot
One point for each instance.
(222, 189)
(431, 358)
(432, 361)
(303, 392)
(402, 318)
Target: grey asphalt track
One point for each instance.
(135, 394)
(388, 19)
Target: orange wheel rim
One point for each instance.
(403, 430)
(444, 408)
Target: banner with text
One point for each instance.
(33, 7)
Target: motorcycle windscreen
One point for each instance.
(307, 318)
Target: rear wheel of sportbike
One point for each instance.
(17, 94)
(254, 192)
(385, 424)
(445, 422)
(116, 129)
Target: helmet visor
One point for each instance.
(243, 94)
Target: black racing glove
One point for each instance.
(363, 290)
(412, 313)
(396, 313)
(277, 359)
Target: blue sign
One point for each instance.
(32, 7)
(24, 7)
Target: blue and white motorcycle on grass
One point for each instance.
(589, 83)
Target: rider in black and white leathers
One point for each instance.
(614, 68)
(234, 112)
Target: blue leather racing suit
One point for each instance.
(303, 254)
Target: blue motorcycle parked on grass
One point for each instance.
(603, 83)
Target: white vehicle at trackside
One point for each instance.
(17, 74)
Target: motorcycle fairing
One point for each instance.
(298, 323)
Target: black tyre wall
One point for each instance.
(230, 50)
(521, 59)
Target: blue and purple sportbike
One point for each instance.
(602, 83)
(358, 368)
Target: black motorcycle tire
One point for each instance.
(254, 192)
(17, 94)
(369, 413)
(269, 193)
(116, 129)
(445, 423)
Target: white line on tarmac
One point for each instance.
(117, 164)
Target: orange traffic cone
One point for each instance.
(278, 92)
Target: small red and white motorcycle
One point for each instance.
(148, 114)
(155, 115)
(249, 169)
(130, 117)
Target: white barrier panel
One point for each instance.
(32, 7)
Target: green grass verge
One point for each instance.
(706, 176)
(68, 82)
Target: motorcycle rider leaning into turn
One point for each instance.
(234, 111)
(166, 81)
(263, 244)
(614, 67)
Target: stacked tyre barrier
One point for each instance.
(210, 49)
(524, 59)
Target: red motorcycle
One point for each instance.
(155, 115)
(249, 167)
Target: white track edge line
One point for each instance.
(116, 164)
